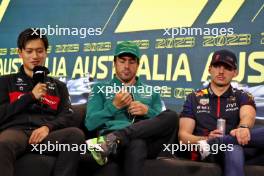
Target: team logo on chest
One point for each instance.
(231, 104)
(203, 106)
(20, 82)
(204, 101)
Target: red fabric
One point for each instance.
(13, 96)
(51, 101)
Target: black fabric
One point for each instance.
(13, 143)
(42, 165)
(19, 109)
(205, 108)
(33, 164)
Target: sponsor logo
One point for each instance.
(204, 101)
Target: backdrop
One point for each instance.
(176, 37)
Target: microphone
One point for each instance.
(39, 74)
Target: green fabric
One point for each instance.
(127, 47)
(104, 116)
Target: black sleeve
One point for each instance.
(188, 107)
(246, 98)
(64, 117)
(8, 109)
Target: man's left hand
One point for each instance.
(137, 108)
(242, 135)
(38, 135)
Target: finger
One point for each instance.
(41, 138)
(35, 138)
(137, 111)
(239, 140)
(233, 133)
(32, 137)
(133, 105)
(244, 141)
(38, 139)
(219, 135)
(44, 88)
(127, 101)
(125, 96)
(43, 84)
(217, 131)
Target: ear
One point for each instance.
(235, 73)
(209, 69)
(19, 52)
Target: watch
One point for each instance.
(243, 126)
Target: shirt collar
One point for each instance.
(226, 94)
(118, 82)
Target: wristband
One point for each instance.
(243, 126)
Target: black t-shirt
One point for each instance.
(205, 108)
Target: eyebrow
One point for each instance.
(34, 48)
(132, 59)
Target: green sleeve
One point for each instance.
(98, 112)
(155, 107)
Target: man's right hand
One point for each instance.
(122, 99)
(39, 90)
(215, 133)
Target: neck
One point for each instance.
(127, 83)
(219, 90)
(28, 72)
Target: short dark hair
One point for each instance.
(30, 34)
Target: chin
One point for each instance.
(221, 84)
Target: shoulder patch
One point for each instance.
(201, 92)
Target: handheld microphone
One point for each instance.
(39, 74)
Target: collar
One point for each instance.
(118, 82)
(226, 94)
(22, 72)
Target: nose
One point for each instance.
(221, 69)
(34, 54)
(126, 64)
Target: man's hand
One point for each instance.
(242, 135)
(215, 133)
(137, 108)
(38, 135)
(39, 90)
(122, 99)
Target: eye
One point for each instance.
(122, 60)
(29, 51)
(132, 62)
(216, 66)
(228, 68)
(40, 51)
